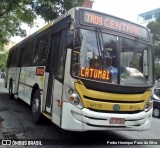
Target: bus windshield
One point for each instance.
(108, 58)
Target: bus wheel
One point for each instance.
(156, 112)
(36, 107)
(10, 90)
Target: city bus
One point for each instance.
(85, 70)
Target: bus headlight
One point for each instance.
(74, 98)
(148, 105)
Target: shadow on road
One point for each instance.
(49, 133)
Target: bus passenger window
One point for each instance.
(61, 56)
(41, 51)
(40, 56)
(29, 53)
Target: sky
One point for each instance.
(126, 9)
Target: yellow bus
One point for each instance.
(86, 70)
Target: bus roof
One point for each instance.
(71, 12)
(100, 12)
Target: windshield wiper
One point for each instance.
(100, 42)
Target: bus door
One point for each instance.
(56, 75)
(53, 53)
(21, 58)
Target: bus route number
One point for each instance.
(95, 105)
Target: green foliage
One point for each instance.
(157, 70)
(155, 29)
(3, 60)
(156, 50)
(12, 15)
(50, 9)
(15, 12)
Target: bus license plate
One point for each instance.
(117, 121)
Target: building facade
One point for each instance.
(149, 16)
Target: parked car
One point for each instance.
(156, 102)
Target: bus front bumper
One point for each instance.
(75, 119)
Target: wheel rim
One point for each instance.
(35, 105)
(156, 112)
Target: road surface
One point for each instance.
(16, 122)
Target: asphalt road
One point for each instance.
(16, 122)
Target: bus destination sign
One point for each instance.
(115, 24)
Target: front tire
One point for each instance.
(36, 107)
(156, 112)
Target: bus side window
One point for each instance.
(21, 56)
(41, 51)
(13, 57)
(61, 56)
(17, 56)
(7, 64)
(9, 58)
(29, 53)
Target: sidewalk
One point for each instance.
(2, 88)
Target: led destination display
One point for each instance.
(95, 73)
(114, 24)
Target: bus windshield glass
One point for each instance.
(108, 58)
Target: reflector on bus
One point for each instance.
(40, 71)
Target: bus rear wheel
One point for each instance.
(36, 107)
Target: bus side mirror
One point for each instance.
(70, 39)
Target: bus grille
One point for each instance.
(115, 112)
(112, 101)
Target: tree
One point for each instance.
(155, 30)
(54, 8)
(15, 12)
(3, 60)
(12, 14)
